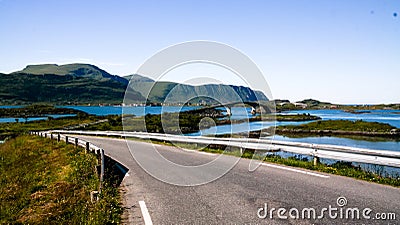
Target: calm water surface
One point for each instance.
(391, 117)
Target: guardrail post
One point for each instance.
(66, 139)
(316, 158)
(94, 196)
(59, 137)
(51, 136)
(87, 147)
(76, 142)
(45, 135)
(102, 168)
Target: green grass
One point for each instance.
(343, 125)
(44, 182)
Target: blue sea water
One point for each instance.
(383, 116)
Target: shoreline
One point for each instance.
(285, 131)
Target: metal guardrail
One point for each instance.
(335, 152)
(82, 143)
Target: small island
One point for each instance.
(36, 111)
(340, 128)
(352, 111)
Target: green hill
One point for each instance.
(85, 83)
(66, 84)
(76, 69)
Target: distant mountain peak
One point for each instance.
(74, 69)
(66, 69)
(138, 78)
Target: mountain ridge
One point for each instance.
(79, 83)
(75, 69)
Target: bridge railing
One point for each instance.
(335, 152)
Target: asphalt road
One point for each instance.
(236, 197)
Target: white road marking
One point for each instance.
(145, 213)
(200, 152)
(295, 170)
(206, 153)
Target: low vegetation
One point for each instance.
(307, 104)
(172, 123)
(296, 117)
(37, 111)
(340, 128)
(45, 182)
(345, 125)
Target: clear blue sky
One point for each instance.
(342, 51)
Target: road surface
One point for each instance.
(240, 196)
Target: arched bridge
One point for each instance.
(257, 107)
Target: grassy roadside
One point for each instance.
(342, 168)
(44, 182)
